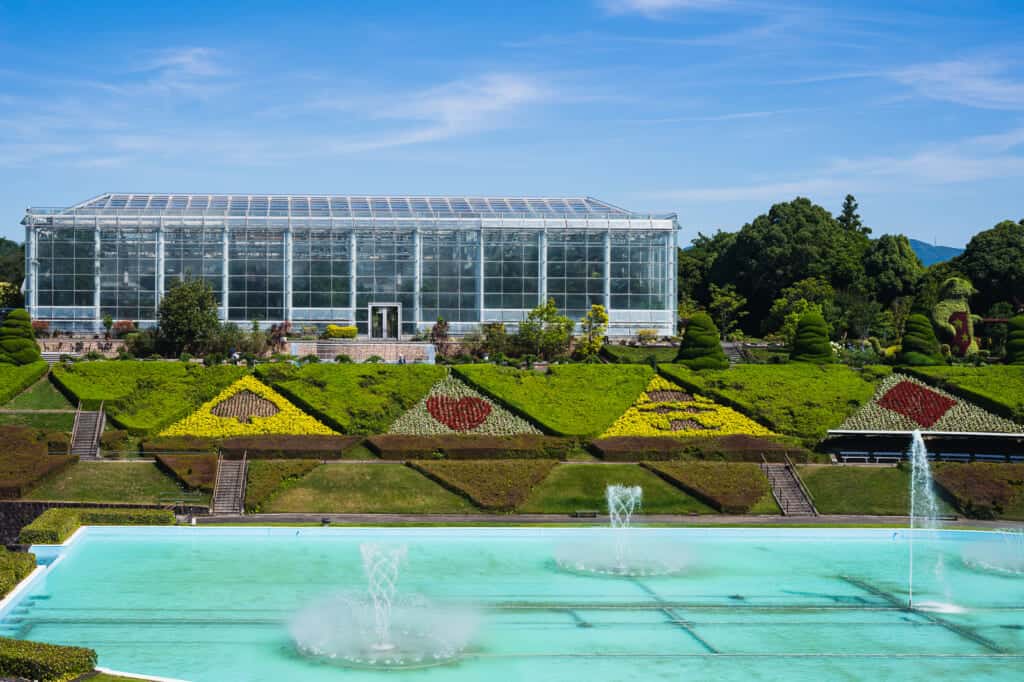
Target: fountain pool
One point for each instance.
(215, 604)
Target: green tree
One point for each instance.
(1015, 341)
(545, 332)
(12, 262)
(495, 339)
(892, 268)
(797, 298)
(10, 295)
(920, 345)
(594, 325)
(440, 338)
(187, 318)
(994, 262)
(701, 347)
(694, 264)
(849, 219)
(787, 330)
(726, 306)
(17, 340)
(811, 343)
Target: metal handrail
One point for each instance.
(783, 506)
(101, 418)
(74, 427)
(800, 482)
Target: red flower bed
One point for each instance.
(916, 402)
(458, 414)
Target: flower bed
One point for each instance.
(523, 446)
(493, 485)
(195, 472)
(735, 448)
(288, 447)
(25, 660)
(729, 487)
(996, 388)
(903, 403)
(288, 420)
(56, 525)
(265, 478)
(982, 490)
(664, 409)
(453, 407)
(16, 378)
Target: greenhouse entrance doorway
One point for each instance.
(384, 321)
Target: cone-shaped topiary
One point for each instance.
(811, 343)
(920, 345)
(17, 341)
(701, 348)
(1015, 341)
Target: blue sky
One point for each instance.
(713, 109)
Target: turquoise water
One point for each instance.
(212, 604)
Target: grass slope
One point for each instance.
(16, 378)
(366, 488)
(573, 487)
(860, 490)
(356, 399)
(570, 400)
(639, 355)
(265, 478)
(802, 400)
(107, 482)
(41, 395)
(40, 420)
(998, 388)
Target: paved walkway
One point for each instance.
(564, 519)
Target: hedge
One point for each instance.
(175, 444)
(16, 378)
(812, 342)
(195, 472)
(24, 461)
(920, 345)
(14, 567)
(1015, 340)
(729, 487)
(639, 355)
(982, 490)
(56, 525)
(288, 447)
(523, 446)
(17, 340)
(736, 448)
(701, 347)
(495, 485)
(44, 662)
(266, 477)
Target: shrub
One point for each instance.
(17, 340)
(288, 447)
(14, 567)
(113, 439)
(494, 485)
(1015, 341)
(569, 400)
(266, 477)
(981, 490)
(16, 378)
(630, 355)
(24, 659)
(337, 331)
(173, 444)
(56, 525)
(24, 461)
(194, 472)
(523, 446)
(342, 359)
(736, 448)
(920, 345)
(701, 347)
(811, 343)
(729, 487)
(374, 359)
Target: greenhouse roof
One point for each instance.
(344, 206)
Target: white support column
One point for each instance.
(95, 273)
(352, 273)
(542, 269)
(225, 265)
(607, 269)
(417, 248)
(480, 273)
(31, 283)
(161, 262)
(287, 274)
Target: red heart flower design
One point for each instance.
(458, 414)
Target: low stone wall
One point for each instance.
(16, 514)
(359, 351)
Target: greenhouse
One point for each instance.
(391, 265)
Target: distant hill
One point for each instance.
(930, 254)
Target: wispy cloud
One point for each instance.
(658, 8)
(982, 83)
(190, 71)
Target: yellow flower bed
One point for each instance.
(289, 421)
(649, 418)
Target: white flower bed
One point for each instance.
(452, 407)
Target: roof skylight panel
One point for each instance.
(420, 205)
(460, 205)
(539, 206)
(159, 202)
(480, 205)
(138, 201)
(380, 205)
(118, 201)
(339, 206)
(518, 206)
(319, 206)
(439, 205)
(360, 206)
(180, 201)
(300, 206)
(400, 205)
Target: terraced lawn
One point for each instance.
(108, 482)
(366, 488)
(860, 489)
(42, 395)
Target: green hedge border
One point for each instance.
(56, 525)
(9, 392)
(45, 662)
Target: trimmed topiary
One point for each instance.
(920, 345)
(17, 341)
(701, 347)
(1015, 341)
(811, 343)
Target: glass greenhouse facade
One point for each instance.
(390, 265)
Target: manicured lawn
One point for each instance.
(42, 395)
(355, 399)
(798, 399)
(40, 420)
(573, 487)
(367, 488)
(103, 482)
(999, 388)
(633, 355)
(860, 489)
(16, 378)
(569, 400)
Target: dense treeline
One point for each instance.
(798, 257)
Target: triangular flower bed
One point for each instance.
(665, 409)
(247, 407)
(452, 407)
(903, 403)
(495, 485)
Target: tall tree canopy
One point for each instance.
(892, 268)
(187, 317)
(849, 219)
(994, 262)
(12, 262)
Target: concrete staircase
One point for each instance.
(732, 352)
(85, 436)
(788, 490)
(229, 491)
(52, 357)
